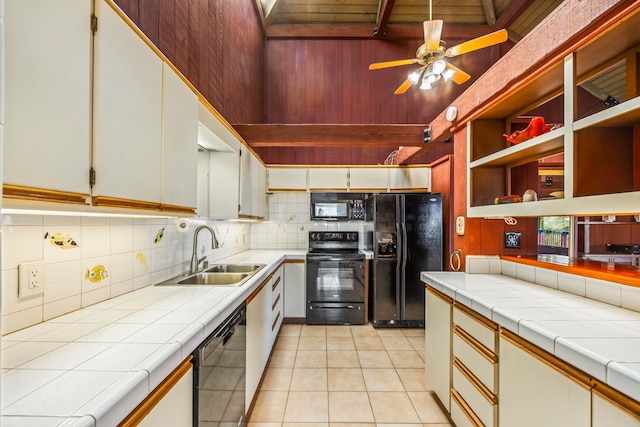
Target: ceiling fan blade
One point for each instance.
(403, 87)
(458, 76)
(478, 43)
(379, 65)
(432, 33)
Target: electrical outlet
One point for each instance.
(31, 280)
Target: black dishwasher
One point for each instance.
(219, 374)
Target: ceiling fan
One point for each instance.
(431, 57)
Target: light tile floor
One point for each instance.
(346, 376)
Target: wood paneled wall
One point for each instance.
(328, 81)
(217, 44)
(220, 47)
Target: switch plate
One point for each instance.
(31, 280)
(460, 226)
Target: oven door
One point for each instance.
(332, 279)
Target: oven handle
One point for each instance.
(333, 258)
(323, 307)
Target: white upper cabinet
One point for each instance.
(283, 178)
(328, 178)
(246, 182)
(47, 95)
(252, 185)
(224, 184)
(369, 179)
(401, 178)
(179, 141)
(127, 112)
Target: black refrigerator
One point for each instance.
(404, 232)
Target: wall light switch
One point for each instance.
(32, 277)
(460, 226)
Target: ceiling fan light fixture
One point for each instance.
(439, 66)
(415, 76)
(447, 74)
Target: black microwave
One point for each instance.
(337, 206)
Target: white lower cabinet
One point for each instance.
(264, 317)
(438, 344)
(294, 290)
(605, 414)
(170, 404)
(534, 394)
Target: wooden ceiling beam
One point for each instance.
(314, 135)
(489, 11)
(363, 31)
(386, 6)
(272, 11)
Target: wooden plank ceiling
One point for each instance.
(383, 20)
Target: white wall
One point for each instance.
(130, 250)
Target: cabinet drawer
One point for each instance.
(480, 361)
(276, 288)
(461, 413)
(481, 401)
(483, 330)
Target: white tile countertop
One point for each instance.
(601, 339)
(92, 367)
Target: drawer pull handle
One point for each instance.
(484, 391)
(466, 409)
(475, 344)
(273, 306)
(275, 322)
(275, 285)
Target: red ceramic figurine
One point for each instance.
(536, 127)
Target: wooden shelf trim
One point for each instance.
(142, 410)
(258, 289)
(293, 261)
(616, 398)
(626, 113)
(18, 192)
(524, 152)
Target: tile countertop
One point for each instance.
(92, 367)
(601, 339)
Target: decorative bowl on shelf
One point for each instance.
(536, 127)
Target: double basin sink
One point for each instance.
(217, 275)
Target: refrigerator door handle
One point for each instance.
(399, 271)
(405, 246)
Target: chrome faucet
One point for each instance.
(195, 262)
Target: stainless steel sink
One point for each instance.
(217, 275)
(234, 268)
(214, 279)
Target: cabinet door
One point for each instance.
(47, 87)
(287, 179)
(224, 182)
(179, 141)
(369, 179)
(328, 178)
(170, 404)
(294, 290)
(258, 338)
(438, 345)
(534, 394)
(127, 112)
(605, 414)
(407, 178)
(247, 166)
(203, 184)
(259, 198)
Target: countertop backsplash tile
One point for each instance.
(92, 259)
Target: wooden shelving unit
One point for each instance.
(600, 145)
